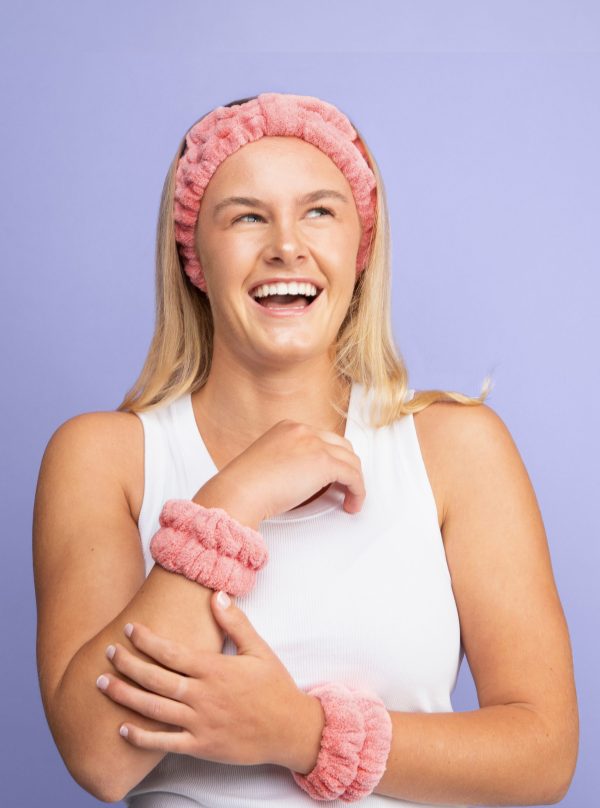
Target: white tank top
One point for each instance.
(365, 599)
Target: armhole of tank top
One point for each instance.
(426, 487)
(148, 427)
(429, 502)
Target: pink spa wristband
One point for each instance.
(355, 744)
(208, 546)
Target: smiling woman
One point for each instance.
(271, 448)
(213, 227)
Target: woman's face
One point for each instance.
(242, 244)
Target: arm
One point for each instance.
(90, 581)
(520, 747)
(497, 755)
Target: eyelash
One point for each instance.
(258, 216)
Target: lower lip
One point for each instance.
(288, 311)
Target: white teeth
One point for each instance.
(292, 288)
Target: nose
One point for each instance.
(285, 244)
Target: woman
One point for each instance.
(401, 530)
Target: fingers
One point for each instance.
(346, 469)
(150, 676)
(163, 710)
(333, 438)
(180, 742)
(169, 653)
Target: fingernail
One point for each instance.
(123, 731)
(223, 599)
(110, 651)
(128, 629)
(102, 682)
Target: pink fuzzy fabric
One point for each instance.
(226, 129)
(355, 744)
(208, 546)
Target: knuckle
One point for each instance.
(153, 681)
(170, 653)
(303, 428)
(295, 428)
(285, 423)
(330, 459)
(201, 748)
(155, 709)
(182, 689)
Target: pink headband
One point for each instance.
(226, 129)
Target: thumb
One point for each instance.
(237, 625)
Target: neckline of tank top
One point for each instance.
(333, 496)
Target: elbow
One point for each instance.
(563, 788)
(103, 780)
(567, 756)
(564, 763)
(554, 757)
(558, 796)
(109, 795)
(108, 792)
(93, 775)
(99, 786)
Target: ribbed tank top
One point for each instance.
(364, 599)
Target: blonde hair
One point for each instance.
(180, 353)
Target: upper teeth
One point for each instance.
(293, 288)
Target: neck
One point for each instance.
(234, 407)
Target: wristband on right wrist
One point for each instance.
(208, 546)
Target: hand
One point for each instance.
(287, 465)
(239, 709)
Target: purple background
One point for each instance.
(484, 118)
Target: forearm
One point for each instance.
(497, 755)
(85, 722)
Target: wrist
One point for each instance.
(213, 495)
(354, 746)
(307, 723)
(208, 546)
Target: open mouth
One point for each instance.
(286, 301)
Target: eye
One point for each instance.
(246, 215)
(327, 211)
(258, 216)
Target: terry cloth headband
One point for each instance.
(226, 129)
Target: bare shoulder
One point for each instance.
(448, 433)
(112, 441)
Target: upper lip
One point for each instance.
(284, 280)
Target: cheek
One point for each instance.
(333, 248)
(238, 249)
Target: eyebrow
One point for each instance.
(252, 201)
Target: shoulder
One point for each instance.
(111, 434)
(111, 442)
(456, 441)
(463, 422)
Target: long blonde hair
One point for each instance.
(180, 353)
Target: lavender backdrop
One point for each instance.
(484, 118)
